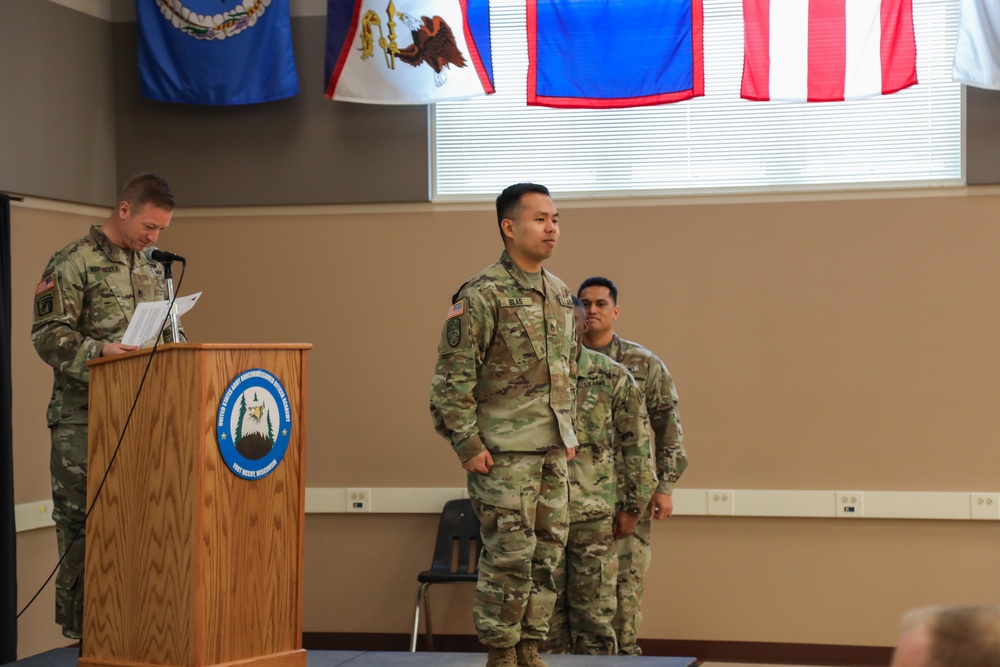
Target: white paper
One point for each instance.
(149, 317)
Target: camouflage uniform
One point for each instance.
(503, 381)
(610, 420)
(87, 295)
(668, 452)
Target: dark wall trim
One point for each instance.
(765, 652)
(301, 150)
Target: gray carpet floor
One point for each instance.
(66, 657)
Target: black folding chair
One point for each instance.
(456, 559)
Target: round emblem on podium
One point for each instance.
(254, 424)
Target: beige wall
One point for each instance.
(816, 344)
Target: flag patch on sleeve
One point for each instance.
(48, 282)
(456, 310)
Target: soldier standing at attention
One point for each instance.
(88, 293)
(600, 298)
(503, 396)
(611, 423)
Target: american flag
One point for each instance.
(47, 283)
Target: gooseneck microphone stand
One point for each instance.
(168, 272)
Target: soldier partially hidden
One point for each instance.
(502, 395)
(611, 423)
(600, 298)
(88, 293)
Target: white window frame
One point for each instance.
(912, 138)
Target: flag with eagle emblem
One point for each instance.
(595, 54)
(827, 50)
(217, 52)
(408, 51)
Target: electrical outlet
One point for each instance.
(850, 504)
(359, 500)
(985, 506)
(720, 502)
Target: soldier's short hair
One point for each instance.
(599, 281)
(968, 636)
(510, 199)
(143, 189)
(578, 304)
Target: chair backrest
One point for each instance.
(458, 542)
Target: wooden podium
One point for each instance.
(188, 564)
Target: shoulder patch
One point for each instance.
(454, 332)
(455, 335)
(48, 282)
(46, 297)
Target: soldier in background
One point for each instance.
(611, 423)
(600, 298)
(950, 637)
(88, 293)
(502, 395)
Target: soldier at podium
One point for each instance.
(83, 304)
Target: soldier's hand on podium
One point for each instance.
(117, 348)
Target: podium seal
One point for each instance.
(254, 424)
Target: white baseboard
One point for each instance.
(926, 505)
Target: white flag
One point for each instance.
(977, 56)
(408, 51)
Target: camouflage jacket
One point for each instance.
(611, 423)
(85, 300)
(661, 403)
(506, 364)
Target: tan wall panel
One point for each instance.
(843, 582)
(36, 629)
(35, 235)
(816, 345)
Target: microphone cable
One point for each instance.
(114, 455)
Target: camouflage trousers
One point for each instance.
(634, 556)
(586, 585)
(521, 505)
(68, 467)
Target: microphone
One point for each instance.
(154, 254)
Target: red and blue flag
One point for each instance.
(603, 54)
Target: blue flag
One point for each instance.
(217, 52)
(611, 54)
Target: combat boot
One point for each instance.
(502, 657)
(527, 654)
